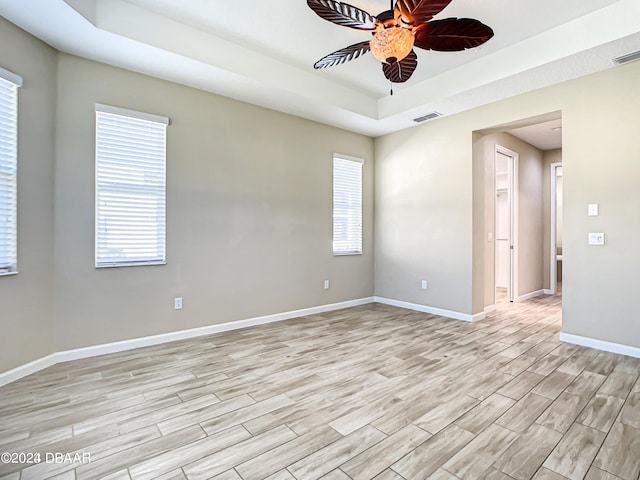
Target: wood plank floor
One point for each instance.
(361, 393)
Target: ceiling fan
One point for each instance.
(397, 31)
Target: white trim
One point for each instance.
(94, 351)
(490, 308)
(349, 158)
(11, 77)
(27, 369)
(436, 311)
(548, 291)
(528, 296)
(131, 113)
(600, 345)
(553, 206)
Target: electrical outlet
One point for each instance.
(326, 284)
(177, 303)
(424, 285)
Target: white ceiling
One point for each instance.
(262, 52)
(545, 135)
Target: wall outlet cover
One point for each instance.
(596, 239)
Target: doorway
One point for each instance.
(506, 224)
(555, 249)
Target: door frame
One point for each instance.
(553, 205)
(513, 207)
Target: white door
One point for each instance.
(503, 240)
(506, 221)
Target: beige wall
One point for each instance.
(249, 194)
(429, 224)
(26, 298)
(600, 284)
(249, 208)
(423, 200)
(530, 212)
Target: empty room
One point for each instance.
(308, 239)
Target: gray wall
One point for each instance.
(249, 208)
(430, 204)
(26, 298)
(249, 195)
(601, 164)
(423, 200)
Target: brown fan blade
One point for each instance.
(403, 12)
(452, 34)
(343, 55)
(343, 14)
(399, 72)
(427, 9)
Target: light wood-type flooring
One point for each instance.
(366, 392)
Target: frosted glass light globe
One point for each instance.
(391, 44)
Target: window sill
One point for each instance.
(131, 264)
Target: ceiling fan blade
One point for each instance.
(403, 12)
(452, 34)
(425, 10)
(399, 72)
(343, 55)
(343, 14)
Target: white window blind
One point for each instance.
(9, 84)
(347, 205)
(130, 187)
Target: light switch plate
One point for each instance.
(596, 239)
(593, 209)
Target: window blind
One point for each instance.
(347, 205)
(9, 84)
(130, 187)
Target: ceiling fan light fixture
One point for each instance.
(392, 44)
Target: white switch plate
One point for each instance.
(326, 284)
(424, 285)
(593, 209)
(177, 303)
(596, 239)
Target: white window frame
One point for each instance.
(9, 84)
(141, 153)
(347, 205)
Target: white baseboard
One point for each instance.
(27, 369)
(528, 296)
(436, 311)
(489, 308)
(547, 291)
(94, 351)
(600, 345)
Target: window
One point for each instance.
(130, 187)
(347, 205)
(9, 84)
